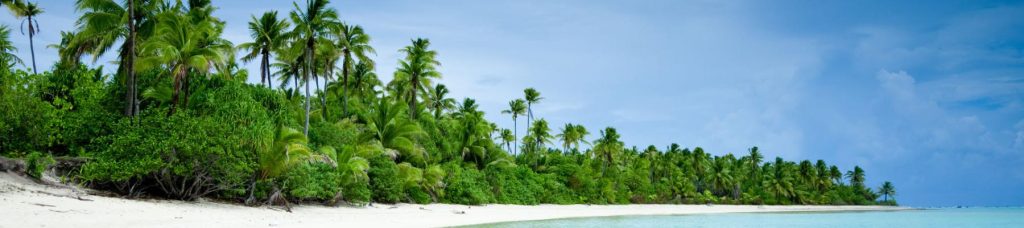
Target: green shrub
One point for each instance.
(315, 181)
(515, 185)
(37, 163)
(384, 182)
(465, 186)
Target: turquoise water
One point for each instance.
(971, 217)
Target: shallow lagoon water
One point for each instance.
(950, 217)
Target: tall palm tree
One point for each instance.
(28, 11)
(835, 174)
(269, 34)
(516, 108)
(316, 22)
(183, 46)
(354, 43)
(887, 190)
(7, 49)
(104, 22)
(364, 80)
(754, 158)
(418, 67)
(532, 97)
(439, 102)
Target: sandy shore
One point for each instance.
(24, 203)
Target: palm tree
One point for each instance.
(353, 42)
(532, 97)
(269, 34)
(7, 49)
(581, 135)
(317, 21)
(386, 125)
(364, 80)
(754, 159)
(184, 46)
(887, 190)
(507, 137)
(835, 174)
(516, 108)
(28, 11)
(607, 147)
(104, 22)
(568, 136)
(439, 102)
(856, 176)
(652, 155)
(541, 134)
(416, 70)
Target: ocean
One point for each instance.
(944, 217)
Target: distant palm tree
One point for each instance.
(532, 97)
(581, 135)
(507, 137)
(438, 101)
(354, 43)
(755, 159)
(856, 176)
(28, 11)
(416, 70)
(541, 134)
(568, 136)
(887, 190)
(364, 81)
(516, 108)
(269, 34)
(607, 148)
(835, 174)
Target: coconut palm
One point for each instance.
(607, 148)
(364, 80)
(7, 49)
(532, 97)
(183, 46)
(835, 174)
(312, 24)
(287, 150)
(516, 108)
(438, 101)
(887, 190)
(395, 133)
(541, 134)
(754, 161)
(28, 11)
(507, 137)
(416, 70)
(581, 135)
(269, 34)
(354, 43)
(568, 136)
(856, 176)
(104, 22)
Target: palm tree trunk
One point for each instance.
(515, 134)
(264, 70)
(344, 82)
(132, 106)
(414, 83)
(31, 46)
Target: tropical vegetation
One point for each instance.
(177, 119)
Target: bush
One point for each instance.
(384, 182)
(515, 185)
(315, 181)
(37, 163)
(465, 186)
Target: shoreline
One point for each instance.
(37, 205)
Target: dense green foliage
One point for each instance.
(198, 130)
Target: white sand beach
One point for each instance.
(24, 203)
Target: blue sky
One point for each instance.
(927, 94)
